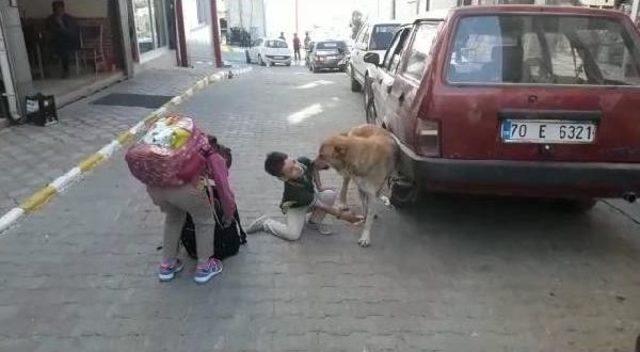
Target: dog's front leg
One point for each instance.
(365, 238)
(342, 200)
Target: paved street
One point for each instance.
(451, 274)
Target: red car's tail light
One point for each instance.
(428, 138)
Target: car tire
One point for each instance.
(370, 113)
(355, 85)
(248, 57)
(403, 194)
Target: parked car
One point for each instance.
(374, 37)
(514, 100)
(328, 55)
(269, 52)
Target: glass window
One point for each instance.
(151, 24)
(392, 59)
(202, 11)
(160, 17)
(381, 36)
(276, 44)
(419, 51)
(547, 49)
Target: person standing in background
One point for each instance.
(307, 40)
(65, 37)
(296, 47)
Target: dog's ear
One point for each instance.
(341, 150)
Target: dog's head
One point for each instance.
(332, 153)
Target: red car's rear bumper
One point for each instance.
(547, 179)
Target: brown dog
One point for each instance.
(366, 154)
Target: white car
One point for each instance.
(268, 52)
(373, 37)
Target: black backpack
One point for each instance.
(226, 241)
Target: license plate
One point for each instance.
(548, 131)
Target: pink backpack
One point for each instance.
(171, 153)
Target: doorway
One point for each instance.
(77, 51)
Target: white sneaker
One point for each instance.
(322, 228)
(257, 225)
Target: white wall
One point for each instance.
(198, 35)
(77, 8)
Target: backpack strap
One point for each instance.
(241, 233)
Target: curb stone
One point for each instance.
(40, 198)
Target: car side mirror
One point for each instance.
(372, 58)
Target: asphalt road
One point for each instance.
(450, 274)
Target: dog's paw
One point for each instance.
(385, 200)
(364, 242)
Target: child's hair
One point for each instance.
(274, 163)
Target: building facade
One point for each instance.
(116, 39)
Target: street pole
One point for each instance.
(634, 10)
(297, 30)
(215, 32)
(182, 38)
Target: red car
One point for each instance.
(537, 101)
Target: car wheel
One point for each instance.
(369, 106)
(315, 69)
(260, 61)
(403, 193)
(246, 54)
(355, 85)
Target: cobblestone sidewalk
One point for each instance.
(32, 156)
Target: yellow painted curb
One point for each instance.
(124, 137)
(38, 199)
(91, 162)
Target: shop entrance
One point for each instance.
(73, 46)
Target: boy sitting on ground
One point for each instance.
(303, 193)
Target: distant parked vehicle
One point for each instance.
(267, 52)
(328, 55)
(238, 36)
(374, 37)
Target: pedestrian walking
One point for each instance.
(296, 47)
(176, 161)
(303, 194)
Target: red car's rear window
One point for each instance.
(544, 49)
